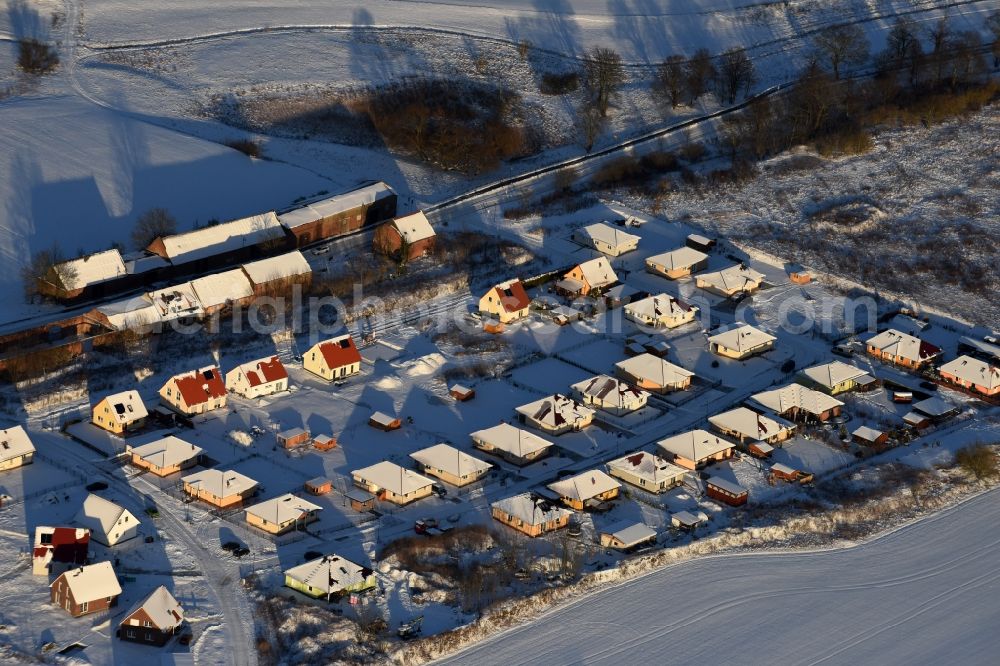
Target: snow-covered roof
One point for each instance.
(451, 460)
(556, 411)
(868, 434)
(339, 203)
(221, 288)
(263, 370)
(392, 477)
(660, 306)
(382, 418)
(610, 391)
(199, 386)
(748, 423)
(131, 313)
(796, 396)
(414, 227)
(832, 374)
(608, 235)
(221, 483)
(973, 370)
(531, 509)
(695, 445)
(682, 257)
(781, 468)
(981, 345)
(726, 485)
(91, 269)
(584, 486)
(742, 337)
(164, 611)
(330, 573)
(280, 267)
(92, 582)
(282, 509)
(688, 519)
(100, 515)
(515, 441)
(598, 272)
(652, 368)
(512, 295)
(647, 466)
(14, 443)
(734, 278)
(167, 452)
(934, 406)
(219, 238)
(903, 345)
(914, 417)
(631, 534)
(338, 352)
(126, 406)
(176, 302)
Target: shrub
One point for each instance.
(978, 460)
(559, 84)
(693, 152)
(36, 57)
(248, 147)
(659, 161)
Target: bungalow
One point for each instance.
(687, 521)
(289, 439)
(530, 514)
(740, 342)
(109, 524)
(514, 445)
(154, 620)
(195, 392)
(696, 449)
(392, 483)
(747, 426)
(735, 279)
(660, 311)
(556, 414)
(450, 464)
(335, 358)
(586, 490)
(677, 263)
(870, 437)
(277, 275)
(655, 374)
(330, 576)
(726, 491)
(610, 395)
(647, 471)
(973, 374)
(506, 302)
(833, 378)
(627, 536)
(606, 239)
(120, 412)
(165, 456)
(282, 514)
(59, 548)
(798, 403)
(219, 291)
(254, 379)
(86, 589)
(412, 232)
(589, 278)
(16, 448)
(220, 488)
(893, 346)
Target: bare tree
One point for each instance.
(903, 52)
(699, 71)
(842, 45)
(966, 59)
(736, 75)
(46, 266)
(591, 123)
(152, 224)
(993, 24)
(670, 81)
(940, 38)
(604, 75)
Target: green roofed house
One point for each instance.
(329, 576)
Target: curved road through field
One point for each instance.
(926, 593)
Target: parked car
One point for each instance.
(439, 490)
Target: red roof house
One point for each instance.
(59, 548)
(195, 392)
(257, 378)
(507, 302)
(333, 359)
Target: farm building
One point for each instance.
(696, 449)
(412, 232)
(590, 278)
(335, 358)
(135, 314)
(154, 620)
(606, 239)
(627, 537)
(219, 291)
(833, 378)
(514, 445)
(293, 437)
(660, 311)
(16, 448)
(461, 393)
(740, 342)
(319, 486)
(392, 483)
(556, 414)
(221, 243)
(109, 524)
(220, 488)
(330, 576)
(384, 422)
(195, 392)
(746, 426)
(59, 548)
(450, 464)
(120, 412)
(899, 348)
(176, 303)
(870, 437)
(677, 263)
(83, 277)
(282, 514)
(165, 456)
(340, 214)
(506, 302)
(688, 521)
(586, 490)
(735, 279)
(276, 275)
(973, 374)
(654, 374)
(530, 514)
(726, 491)
(610, 395)
(86, 589)
(798, 403)
(254, 379)
(647, 471)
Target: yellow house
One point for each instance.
(730, 281)
(165, 456)
(220, 488)
(660, 311)
(506, 302)
(282, 514)
(392, 483)
(833, 378)
(16, 448)
(120, 413)
(586, 490)
(329, 576)
(740, 342)
(451, 465)
(677, 263)
(592, 276)
(530, 514)
(333, 359)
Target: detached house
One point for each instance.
(696, 449)
(606, 239)
(335, 358)
(747, 426)
(58, 548)
(412, 232)
(165, 456)
(220, 488)
(730, 281)
(258, 378)
(660, 311)
(610, 395)
(330, 576)
(120, 413)
(530, 514)
(893, 346)
(677, 263)
(653, 373)
(589, 278)
(282, 514)
(647, 471)
(506, 302)
(836, 377)
(109, 524)
(556, 414)
(195, 392)
(16, 448)
(514, 445)
(451, 465)
(586, 490)
(392, 483)
(154, 620)
(973, 374)
(741, 342)
(798, 403)
(87, 589)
